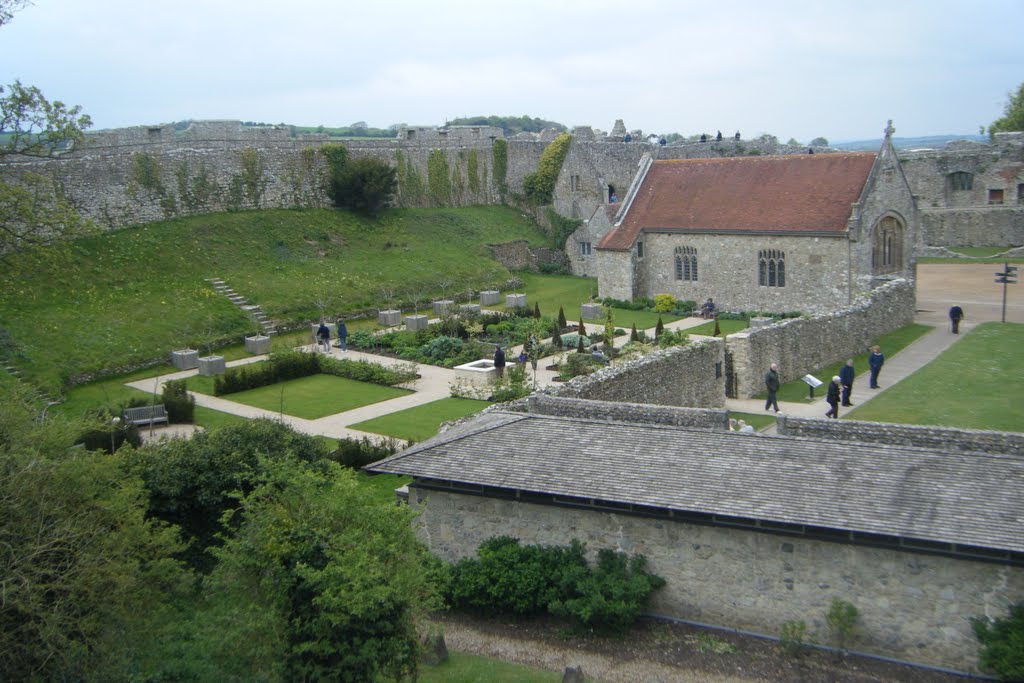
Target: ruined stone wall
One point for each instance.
(541, 403)
(955, 213)
(921, 436)
(800, 345)
(690, 375)
(912, 606)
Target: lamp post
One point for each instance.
(115, 422)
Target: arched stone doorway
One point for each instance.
(887, 247)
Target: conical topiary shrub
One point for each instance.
(556, 339)
(659, 328)
(582, 330)
(634, 335)
(579, 345)
(718, 330)
(536, 310)
(562, 322)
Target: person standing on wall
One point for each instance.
(342, 335)
(323, 335)
(875, 361)
(499, 361)
(956, 314)
(833, 398)
(771, 383)
(846, 376)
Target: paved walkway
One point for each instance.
(434, 383)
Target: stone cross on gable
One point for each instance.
(889, 130)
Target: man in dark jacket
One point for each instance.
(323, 336)
(342, 335)
(875, 361)
(956, 314)
(499, 361)
(846, 376)
(771, 383)
(833, 398)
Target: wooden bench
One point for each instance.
(145, 415)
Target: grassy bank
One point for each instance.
(118, 299)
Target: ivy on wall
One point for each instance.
(146, 176)
(539, 186)
(411, 189)
(499, 154)
(439, 178)
(306, 178)
(195, 192)
(473, 172)
(253, 176)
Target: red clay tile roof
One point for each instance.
(788, 194)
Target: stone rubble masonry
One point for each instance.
(689, 375)
(913, 606)
(617, 411)
(920, 436)
(800, 345)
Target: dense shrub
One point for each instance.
(641, 303)
(281, 366)
(1002, 644)
(508, 578)
(104, 436)
(571, 340)
(365, 371)
(577, 364)
(663, 303)
(440, 348)
(178, 403)
(357, 453)
(613, 594)
(512, 385)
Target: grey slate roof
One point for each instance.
(971, 499)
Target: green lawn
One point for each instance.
(891, 344)
(422, 422)
(139, 293)
(466, 668)
(645, 320)
(726, 327)
(316, 396)
(552, 291)
(971, 386)
(383, 485)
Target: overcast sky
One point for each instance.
(837, 69)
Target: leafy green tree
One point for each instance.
(1002, 644)
(365, 185)
(819, 142)
(319, 582)
(1013, 114)
(87, 580)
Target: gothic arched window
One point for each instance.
(686, 263)
(771, 268)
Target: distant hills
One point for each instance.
(926, 142)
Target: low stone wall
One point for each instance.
(912, 606)
(688, 375)
(800, 345)
(973, 227)
(542, 404)
(921, 436)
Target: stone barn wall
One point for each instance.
(913, 606)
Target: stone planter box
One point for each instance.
(478, 373)
(212, 365)
(443, 306)
(469, 309)
(257, 345)
(515, 301)
(591, 311)
(415, 322)
(185, 359)
(490, 297)
(389, 318)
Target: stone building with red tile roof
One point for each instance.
(762, 233)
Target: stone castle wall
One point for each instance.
(690, 375)
(799, 345)
(618, 411)
(953, 187)
(920, 436)
(912, 606)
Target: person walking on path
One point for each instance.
(342, 335)
(956, 314)
(875, 361)
(323, 335)
(846, 376)
(771, 383)
(833, 398)
(499, 361)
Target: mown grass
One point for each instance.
(972, 385)
(891, 343)
(756, 420)
(421, 422)
(316, 396)
(118, 299)
(467, 668)
(725, 327)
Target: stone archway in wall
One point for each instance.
(888, 255)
